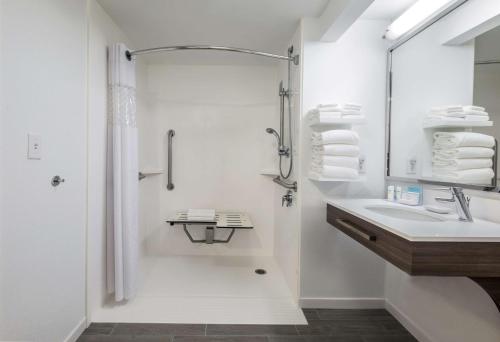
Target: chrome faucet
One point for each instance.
(461, 203)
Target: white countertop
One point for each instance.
(451, 229)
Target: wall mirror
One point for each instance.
(443, 106)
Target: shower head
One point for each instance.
(273, 131)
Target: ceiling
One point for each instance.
(387, 9)
(265, 25)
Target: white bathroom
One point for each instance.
(268, 170)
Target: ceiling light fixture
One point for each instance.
(415, 15)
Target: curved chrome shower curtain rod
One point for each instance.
(290, 57)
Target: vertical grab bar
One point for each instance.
(170, 185)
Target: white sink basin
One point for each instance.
(405, 213)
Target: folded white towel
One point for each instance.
(451, 108)
(474, 176)
(462, 139)
(358, 117)
(475, 112)
(337, 150)
(471, 107)
(319, 161)
(317, 117)
(461, 164)
(201, 214)
(464, 153)
(328, 105)
(352, 106)
(477, 118)
(443, 117)
(457, 108)
(335, 172)
(351, 112)
(336, 136)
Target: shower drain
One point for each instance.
(260, 271)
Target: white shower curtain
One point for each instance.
(122, 177)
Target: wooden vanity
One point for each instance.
(478, 260)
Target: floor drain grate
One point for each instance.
(260, 271)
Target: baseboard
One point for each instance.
(77, 331)
(413, 328)
(342, 303)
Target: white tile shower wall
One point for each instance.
(219, 114)
(287, 219)
(334, 268)
(42, 229)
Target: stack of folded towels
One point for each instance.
(463, 157)
(330, 113)
(459, 113)
(205, 215)
(335, 154)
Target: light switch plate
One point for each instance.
(34, 146)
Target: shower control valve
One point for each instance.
(287, 199)
(284, 151)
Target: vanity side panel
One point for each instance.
(392, 248)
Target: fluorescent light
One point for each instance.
(415, 15)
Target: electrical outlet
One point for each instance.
(411, 166)
(362, 164)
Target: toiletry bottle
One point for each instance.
(390, 193)
(399, 192)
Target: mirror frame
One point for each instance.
(403, 39)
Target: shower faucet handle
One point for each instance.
(287, 199)
(284, 151)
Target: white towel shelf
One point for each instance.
(324, 179)
(152, 171)
(337, 122)
(149, 172)
(456, 124)
(270, 172)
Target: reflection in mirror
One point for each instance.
(444, 111)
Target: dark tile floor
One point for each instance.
(324, 326)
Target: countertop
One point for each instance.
(450, 230)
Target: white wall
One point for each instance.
(42, 229)
(335, 270)
(103, 32)
(287, 219)
(220, 114)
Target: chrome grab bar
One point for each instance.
(170, 135)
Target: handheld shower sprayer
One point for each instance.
(282, 150)
(273, 131)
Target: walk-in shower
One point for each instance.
(284, 151)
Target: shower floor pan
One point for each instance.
(223, 220)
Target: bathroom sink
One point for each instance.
(404, 213)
